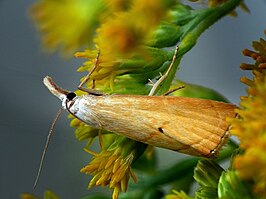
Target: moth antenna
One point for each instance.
(46, 146)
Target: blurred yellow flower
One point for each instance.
(67, 24)
(118, 5)
(47, 195)
(112, 166)
(250, 126)
(28, 196)
(122, 25)
(128, 31)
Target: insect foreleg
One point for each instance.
(163, 77)
(86, 79)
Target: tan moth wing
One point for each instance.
(188, 125)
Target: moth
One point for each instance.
(188, 125)
(192, 126)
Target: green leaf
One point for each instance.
(206, 193)
(231, 186)
(196, 91)
(184, 183)
(146, 162)
(207, 173)
(153, 194)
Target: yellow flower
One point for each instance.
(47, 195)
(112, 166)
(83, 131)
(67, 24)
(177, 195)
(125, 33)
(250, 126)
(105, 70)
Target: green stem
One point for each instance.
(203, 21)
(171, 174)
(193, 30)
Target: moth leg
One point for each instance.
(173, 90)
(163, 77)
(151, 82)
(93, 84)
(86, 79)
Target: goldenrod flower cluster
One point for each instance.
(250, 126)
(112, 166)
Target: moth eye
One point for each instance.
(70, 96)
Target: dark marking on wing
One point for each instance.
(160, 129)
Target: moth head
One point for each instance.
(68, 100)
(65, 96)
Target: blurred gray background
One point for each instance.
(27, 108)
